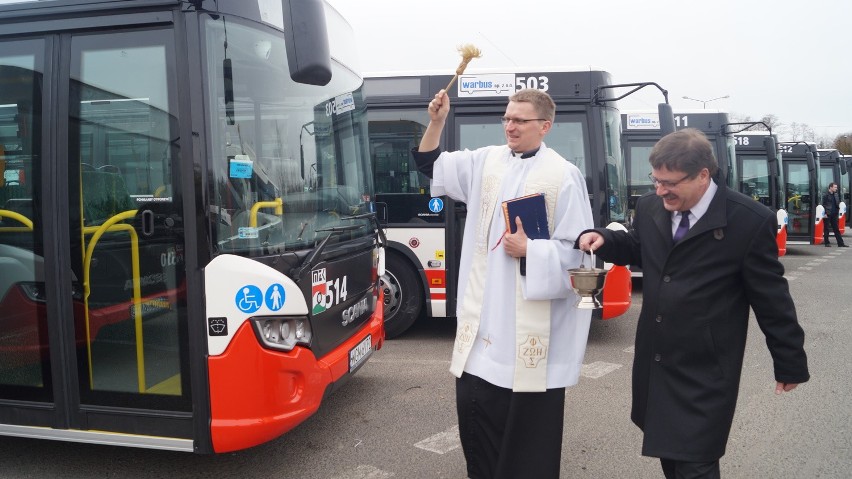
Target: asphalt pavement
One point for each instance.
(396, 417)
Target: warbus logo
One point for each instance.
(496, 84)
(414, 242)
(643, 122)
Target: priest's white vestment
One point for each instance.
(492, 350)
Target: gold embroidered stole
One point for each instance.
(532, 318)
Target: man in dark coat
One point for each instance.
(697, 290)
(832, 213)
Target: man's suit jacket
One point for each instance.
(829, 202)
(691, 335)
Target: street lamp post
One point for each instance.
(705, 102)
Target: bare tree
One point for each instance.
(843, 143)
(802, 132)
(824, 142)
(772, 121)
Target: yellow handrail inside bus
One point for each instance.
(277, 203)
(16, 216)
(96, 232)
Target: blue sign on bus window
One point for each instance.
(436, 205)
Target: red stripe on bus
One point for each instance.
(437, 278)
(257, 394)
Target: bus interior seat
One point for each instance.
(104, 196)
(23, 206)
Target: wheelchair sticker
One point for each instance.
(249, 298)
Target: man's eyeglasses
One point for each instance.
(665, 183)
(519, 121)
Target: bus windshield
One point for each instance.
(754, 178)
(289, 160)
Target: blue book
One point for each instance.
(533, 212)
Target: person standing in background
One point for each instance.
(831, 203)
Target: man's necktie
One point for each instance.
(682, 228)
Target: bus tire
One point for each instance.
(403, 295)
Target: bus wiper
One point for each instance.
(312, 259)
(338, 229)
(359, 216)
(374, 219)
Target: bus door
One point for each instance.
(801, 189)
(93, 328)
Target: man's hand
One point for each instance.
(784, 387)
(515, 244)
(590, 241)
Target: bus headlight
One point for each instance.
(282, 332)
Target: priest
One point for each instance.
(520, 339)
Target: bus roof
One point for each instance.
(475, 71)
(476, 87)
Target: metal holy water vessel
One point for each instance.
(588, 283)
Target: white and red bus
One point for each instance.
(802, 192)
(189, 257)
(760, 172)
(424, 233)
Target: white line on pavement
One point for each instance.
(443, 442)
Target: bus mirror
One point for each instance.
(667, 123)
(843, 168)
(228, 77)
(306, 34)
(771, 149)
(809, 158)
(772, 156)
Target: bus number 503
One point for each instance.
(536, 83)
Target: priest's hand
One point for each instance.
(439, 107)
(515, 243)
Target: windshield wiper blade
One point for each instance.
(338, 229)
(374, 219)
(313, 259)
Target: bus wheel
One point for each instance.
(403, 296)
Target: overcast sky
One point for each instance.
(790, 58)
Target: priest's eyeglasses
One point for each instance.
(665, 183)
(519, 121)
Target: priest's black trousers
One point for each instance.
(509, 435)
